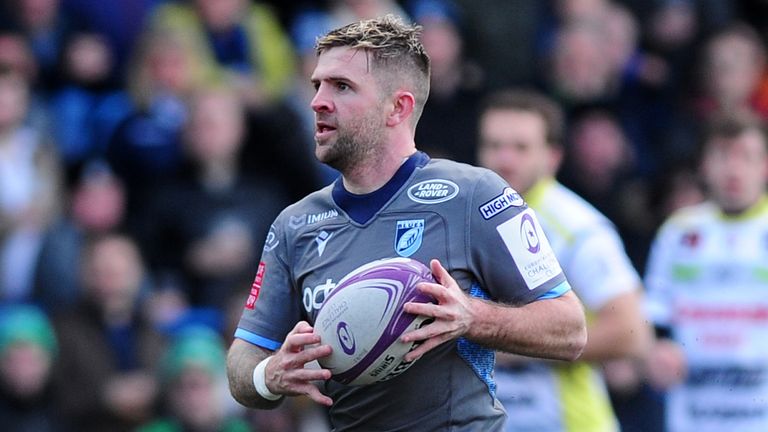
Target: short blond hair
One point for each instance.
(396, 50)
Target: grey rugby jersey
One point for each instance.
(468, 218)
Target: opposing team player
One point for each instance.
(707, 280)
(500, 285)
(521, 139)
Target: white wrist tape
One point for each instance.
(260, 381)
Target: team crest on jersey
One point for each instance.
(408, 236)
(508, 198)
(433, 191)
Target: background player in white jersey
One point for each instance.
(372, 81)
(707, 283)
(520, 139)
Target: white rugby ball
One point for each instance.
(362, 320)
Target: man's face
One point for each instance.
(513, 144)
(349, 109)
(736, 170)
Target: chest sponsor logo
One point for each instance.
(408, 236)
(433, 191)
(508, 198)
(250, 303)
(319, 217)
(313, 298)
(271, 242)
(322, 240)
(296, 222)
(530, 249)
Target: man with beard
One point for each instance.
(371, 81)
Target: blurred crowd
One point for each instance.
(147, 145)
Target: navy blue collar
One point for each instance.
(361, 208)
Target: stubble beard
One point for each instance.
(354, 146)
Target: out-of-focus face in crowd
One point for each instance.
(216, 126)
(220, 15)
(734, 67)
(599, 147)
(14, 98)
(113, 272)
(736, 169)
(36, 14)
(513, 144)
(581, 70)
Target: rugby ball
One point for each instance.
(362, 319)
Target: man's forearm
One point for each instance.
(552, 328)
(242, 358)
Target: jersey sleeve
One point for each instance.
(510, 254)
(272, 309)
(599, 269)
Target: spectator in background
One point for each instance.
(207, 227)
(448, 127)
(96, 205)
(599, 167)
(733, 75)
(501, 38)
(29, 188)
(16, 55)
(580, 73)
(104, 375)
(85, 109)
(593, 59)
(521, 137)
(119, 22)
(47, 29)
(729, 76)
(27, 352)
(241, 41)
(145, 149)
(193, 372)
(707, 280)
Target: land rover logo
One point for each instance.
(433, 191)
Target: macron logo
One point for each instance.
(508, 198)
(322, 240)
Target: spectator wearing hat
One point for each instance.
(192, 373)
(28, 348)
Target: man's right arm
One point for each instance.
(241, 361)
(284, 373)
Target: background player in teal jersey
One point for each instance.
(521, 136)
(707, 280)
(371, 81)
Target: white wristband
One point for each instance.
(260, 381)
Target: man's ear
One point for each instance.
(402, 107)
(556, 154)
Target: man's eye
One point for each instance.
(342, 86)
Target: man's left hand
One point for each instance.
(452, 314)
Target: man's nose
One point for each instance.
(321, 102)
